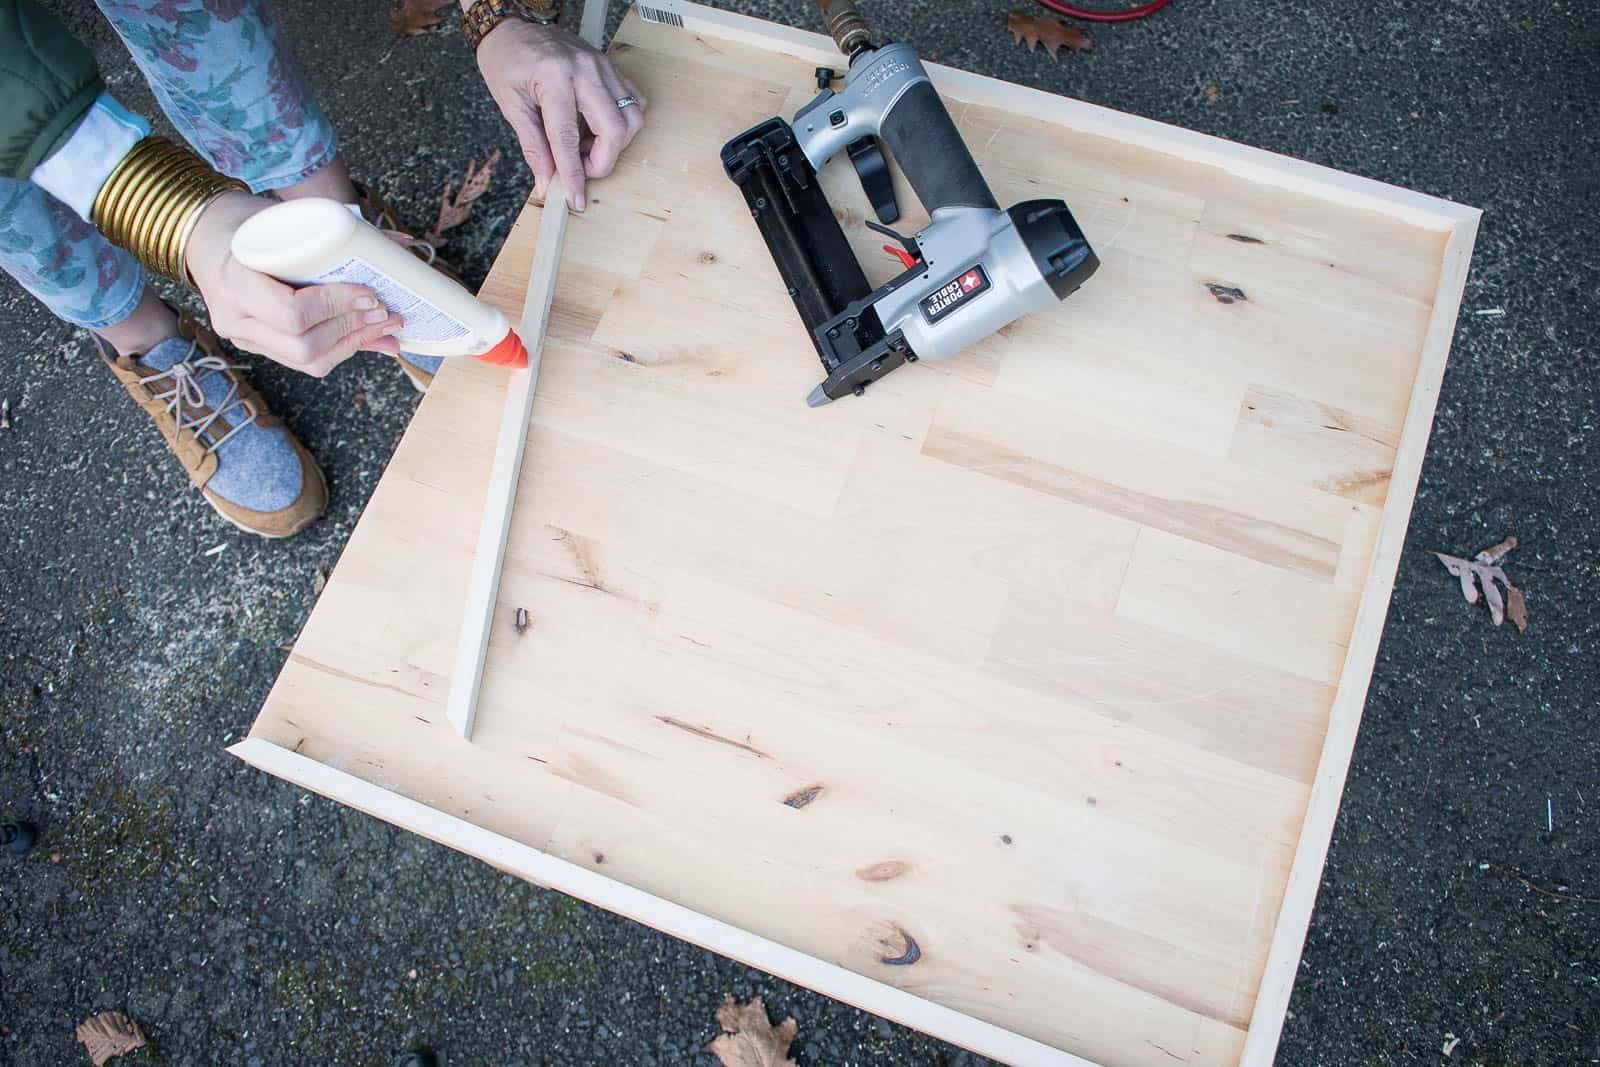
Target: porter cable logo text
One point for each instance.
(952, 295)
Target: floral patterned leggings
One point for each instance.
(221, 72)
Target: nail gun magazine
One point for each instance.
(972, 270)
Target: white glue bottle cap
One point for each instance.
(312, 241)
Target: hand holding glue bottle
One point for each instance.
(311, 241)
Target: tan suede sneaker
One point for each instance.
(376, 210)
(244, 461)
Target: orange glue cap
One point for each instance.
(509, 352)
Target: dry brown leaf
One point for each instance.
(1482, 572)
(453, 210)
(1052, 33)
(1462, 569)
(1517, 609)
(109, 1034)
(1496, 553)
(414, 17)
(748, 1039)
(1213, 94)
(319, 581)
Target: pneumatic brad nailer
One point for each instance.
(973, 269)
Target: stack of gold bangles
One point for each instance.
(151, 201)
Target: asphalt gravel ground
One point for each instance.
(242, 921)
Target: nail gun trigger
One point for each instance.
(906, 259)
(873, 170)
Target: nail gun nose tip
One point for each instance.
(818, 398)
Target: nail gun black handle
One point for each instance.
(926, 144)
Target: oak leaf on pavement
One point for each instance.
(456, 205)
(109, 1034)
(1052, 33)
(748, 1038)
(415, 17)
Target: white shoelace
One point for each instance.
(405, 240)
(185, 377)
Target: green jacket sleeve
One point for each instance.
(48, 80)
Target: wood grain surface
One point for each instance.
(1006, 684)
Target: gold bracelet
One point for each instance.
(181, 267)
(168, 225)
(178, 225)
(130, 187)
(152, 200)
(163, 223)
(149, 200)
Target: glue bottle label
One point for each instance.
(424, 321)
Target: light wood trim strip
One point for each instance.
(1256, 164)
(483, 585)
(520, 860)
(592, 24)
(1322, 809)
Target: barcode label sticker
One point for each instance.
(661, 15)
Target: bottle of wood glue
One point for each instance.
(311, 241)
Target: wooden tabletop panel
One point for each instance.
(1025, 659)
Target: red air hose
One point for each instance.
(1105, 16)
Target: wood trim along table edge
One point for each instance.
(1257, 164)
(1344, 720)
(549, 871)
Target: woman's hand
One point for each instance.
(312, 329)
(545, 80)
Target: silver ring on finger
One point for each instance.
(624, 102)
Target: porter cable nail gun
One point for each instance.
(970, 271)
